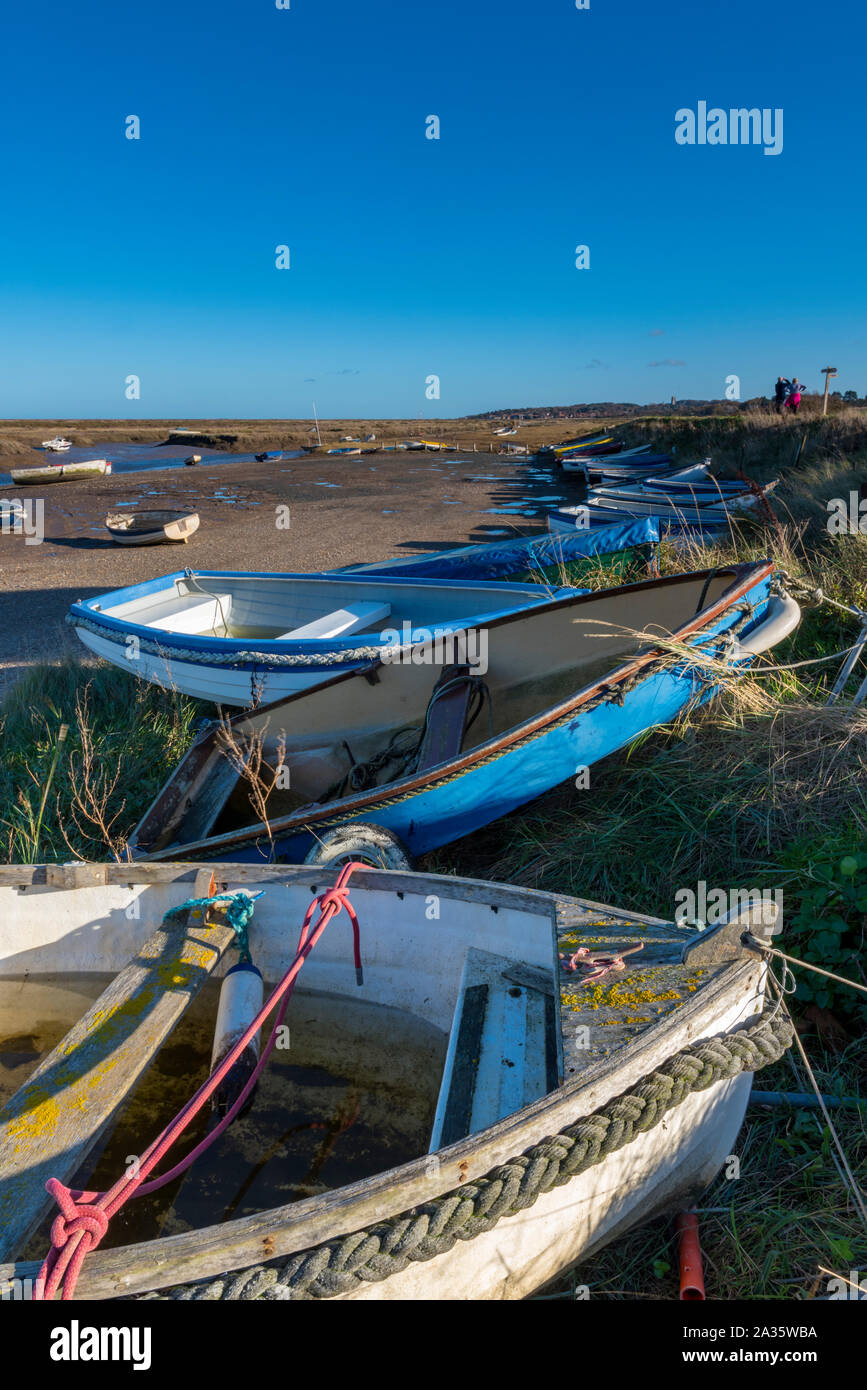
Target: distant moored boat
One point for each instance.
(61, 472)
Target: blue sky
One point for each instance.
(411, 257)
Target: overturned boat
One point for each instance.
(434, 740)
(516, 556)
(475, 1102)
(240, 638)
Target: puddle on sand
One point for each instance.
(510, 511)
(352, 1095)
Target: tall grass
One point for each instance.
(84, 794)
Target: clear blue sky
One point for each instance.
(410, 256)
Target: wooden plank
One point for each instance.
(459, 1106)
(53, 1120)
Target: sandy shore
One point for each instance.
(342, 511)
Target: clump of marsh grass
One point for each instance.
(123, 735)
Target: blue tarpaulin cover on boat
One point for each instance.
(499, 558)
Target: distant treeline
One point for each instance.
(629, 408)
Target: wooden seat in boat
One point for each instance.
(343, 622)
(503, 1048)
(194, 614)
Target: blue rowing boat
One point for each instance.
(412, 752)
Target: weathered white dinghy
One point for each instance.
(151, 527)
(62, 472)
(238, 638)
(551, 1071)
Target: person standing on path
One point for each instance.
(793, 399)
(780, 393)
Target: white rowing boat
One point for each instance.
(693, 502)
(151, 527)
(62, 472)
(238, 638)
(514, 1090)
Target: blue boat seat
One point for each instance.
(503, 1048)
(343, 622)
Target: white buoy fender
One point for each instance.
(240, 1000)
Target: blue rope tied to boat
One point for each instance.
(239, 911)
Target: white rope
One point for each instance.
(847, 1173)
(772, 951)
(812, 661)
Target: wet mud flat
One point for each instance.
(303, 514)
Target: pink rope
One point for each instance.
(596, 964)
(84, 1216)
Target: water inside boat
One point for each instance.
(352, 1095)
(277, 607)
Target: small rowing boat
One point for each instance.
(151, 528)
(62, 472)
(612, 470)
(439, 738)
(470, 1105)
(271, 456)
(12, 513)
(689, 502)
(238, 638)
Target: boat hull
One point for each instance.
(472, 790)
(497, 560)
(130, 626)
(80, 918)
(61, 472)
(154, 528)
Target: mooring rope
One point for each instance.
(807, 965)
(843, 1166)
(84, 1217)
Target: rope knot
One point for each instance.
(75, 1217)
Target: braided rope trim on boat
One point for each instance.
(387, 1247)
(259, 659)
(239, 659)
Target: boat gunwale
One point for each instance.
(245, 648)
(752, 573)
(281, 1231)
